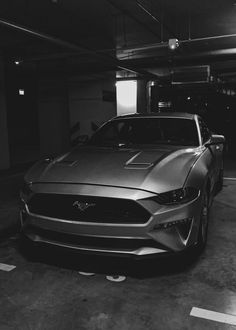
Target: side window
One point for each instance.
(205, 132)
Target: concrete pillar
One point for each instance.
(53, 115)
(142, 104)
(4, 143)
(155, 97)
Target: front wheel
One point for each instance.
(203, 226)
(220, 181)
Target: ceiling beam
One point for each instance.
(74, 47)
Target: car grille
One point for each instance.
(87, 208)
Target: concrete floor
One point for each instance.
(47, 292)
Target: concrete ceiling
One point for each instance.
(99, 35)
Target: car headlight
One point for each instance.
(178, 196)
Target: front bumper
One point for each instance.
(137, 240)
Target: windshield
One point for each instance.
(147, 131)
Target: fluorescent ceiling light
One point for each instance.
(126, 96)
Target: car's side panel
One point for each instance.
(202, 172)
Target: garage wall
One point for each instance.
(69, 107)
(91, 103)
(53, 115)
(4, 145)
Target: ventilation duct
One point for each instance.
(190, 75)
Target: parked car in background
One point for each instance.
(141, 186)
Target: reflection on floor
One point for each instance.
(230, 167)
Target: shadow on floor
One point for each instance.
(141, 268)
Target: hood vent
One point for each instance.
(138, 166)
(67, 163)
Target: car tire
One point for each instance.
(220, 181)
(203, 226)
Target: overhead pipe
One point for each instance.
(71, 46)
(40, 35)
(165, 44)
(180, 60)
(155, 18)
(227, 51)
(129, 14)
(116, 62)
(233, 35)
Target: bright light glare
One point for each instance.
(21, 92)
(126, 92)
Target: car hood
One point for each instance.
(153, 169)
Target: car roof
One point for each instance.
(183, 115)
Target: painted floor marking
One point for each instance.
(86, 273)
(213, 316)
(116, 278)
(7, 268)
(226, 178)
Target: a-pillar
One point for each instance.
(53, 114)
(4, 143)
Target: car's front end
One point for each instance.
(128, 222)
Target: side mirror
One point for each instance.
(216, 139)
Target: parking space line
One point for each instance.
(6, 268)
(226, 178)
(213, 316)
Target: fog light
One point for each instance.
(166, 225)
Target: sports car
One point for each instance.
(142, 185)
